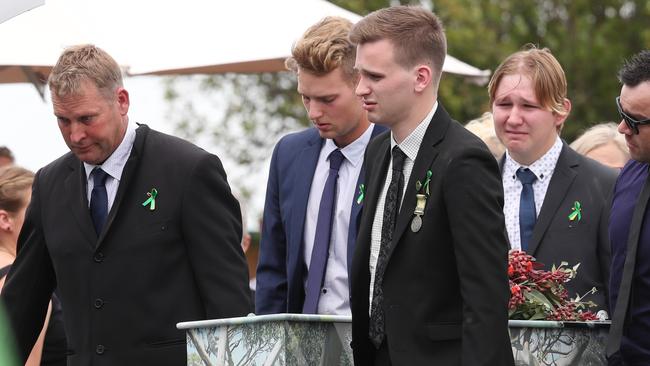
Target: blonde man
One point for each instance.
(136, 229)
(556, 201)
(313, 197)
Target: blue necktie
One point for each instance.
(99, 199)
(320, 251)
(527, 211)
(376, 331)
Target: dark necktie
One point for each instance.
(527, 211)
(99, 199)
(320, 252)
(376, 332)
(627, 278)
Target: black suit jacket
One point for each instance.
(445, 287)
(585, 241)
(123, 293)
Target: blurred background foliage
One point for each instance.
(247, 114)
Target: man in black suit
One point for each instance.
(429, 282)
(136, 229)
(569, 193)
(628, 343)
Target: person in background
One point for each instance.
(429, 275)
(15, 193)
(604, 144)
(6, 156)
(629, 227)
(556, 200)
(246, 242)
(483, 127)
(315, 183)
(137, 230)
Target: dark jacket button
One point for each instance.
(99, 257)
(100, 349)
(99, 303)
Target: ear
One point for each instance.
(423, 75)
(5, 221)
(560, 118)
(123, 101)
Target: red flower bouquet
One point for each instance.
(536, 294)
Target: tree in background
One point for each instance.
(246, 114)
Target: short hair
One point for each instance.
(416, 34)
(636, 70)
(14, 180)
(323, 48)
(5, 152)
(599, 135)
(483, 127)
(543, 69)
(84, 62)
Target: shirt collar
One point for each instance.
(412, 142)
(117, 160)
(353, 152)
(542, 168)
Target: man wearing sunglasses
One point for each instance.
(629, 336)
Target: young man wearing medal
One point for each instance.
(429, 282)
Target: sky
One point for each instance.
(30, 130)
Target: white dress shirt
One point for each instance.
(114, 166)
(543, 169)
(335, 294)
(410, 146)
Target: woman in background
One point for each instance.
(604, 144)
(15, 195)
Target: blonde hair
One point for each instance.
(416, 34)
(14, 180)
(599, 135)
(544, 71)
(323, 48)
(483, 127)
(84, 62)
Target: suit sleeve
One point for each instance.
(30, 282)
(211, 224)
(604, 248)
(474, 200)
(271, 289)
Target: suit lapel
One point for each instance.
(126, 178)
(374, 186)
(358, 205)
(303, 176)
(75, 186)
(563, 176)
(423, 162)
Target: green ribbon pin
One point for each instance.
(426, 182)
(362, 193)
(151, 201)
(576, 212)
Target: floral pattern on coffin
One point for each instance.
(278, 340)
(549, 343)
(298, 340)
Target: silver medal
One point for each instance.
(416, 224)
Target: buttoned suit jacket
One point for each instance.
(558, 239)
(445, 286)
(281, 269)
(123, 292)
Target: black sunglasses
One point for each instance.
(629, 121)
